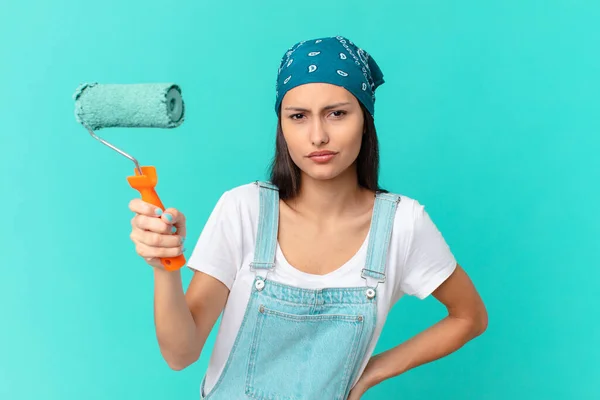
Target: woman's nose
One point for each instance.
(318, 134)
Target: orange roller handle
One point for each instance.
(145, 184)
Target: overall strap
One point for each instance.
(380, 235)
(268, 221)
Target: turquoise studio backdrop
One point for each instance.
(489, 116)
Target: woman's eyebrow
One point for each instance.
(329, 107)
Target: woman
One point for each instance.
(306, 267)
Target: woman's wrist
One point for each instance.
(372, 374)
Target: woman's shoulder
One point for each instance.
(243, 191)
(405, 202)
(244, 195)
(408, 210)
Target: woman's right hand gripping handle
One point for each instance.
(153, 232)
(183, 321)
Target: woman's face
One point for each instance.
(323, 126)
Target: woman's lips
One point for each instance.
(321, 157)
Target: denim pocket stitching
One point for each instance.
(312, 317)
(357, 336)
(257, 331)
(251, 391)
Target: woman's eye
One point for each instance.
(338, 113)
(296, 116)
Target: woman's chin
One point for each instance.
(322, 173)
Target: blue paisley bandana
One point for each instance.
(335, 60)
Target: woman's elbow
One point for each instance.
(480, 322)
(179, 363)
(177, 366)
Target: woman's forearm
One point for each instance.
(441, 339)
(175, 327)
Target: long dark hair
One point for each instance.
(285, 174)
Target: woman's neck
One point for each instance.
(323, 200)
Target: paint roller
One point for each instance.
(142, 105)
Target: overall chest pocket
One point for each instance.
(302, 357)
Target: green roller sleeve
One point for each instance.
(151, 105)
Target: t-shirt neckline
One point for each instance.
(340, 270)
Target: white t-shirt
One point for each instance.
(419, 260)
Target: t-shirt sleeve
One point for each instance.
(429, 260)
(218, 251)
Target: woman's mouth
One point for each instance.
(322, 156)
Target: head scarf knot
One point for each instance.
(335, 60)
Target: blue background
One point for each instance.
(489, 116)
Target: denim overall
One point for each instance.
(300, 344)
